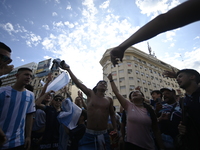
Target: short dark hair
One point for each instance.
(23, 69)
(190, 72)
(95, 88)
(4, 46)
(157, 92)
(58, 95)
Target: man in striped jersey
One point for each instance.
(16, 109)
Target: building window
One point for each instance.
(143, 81)
(130, 78)
(119, 64)
(128, 57)
(132, 87)
(121, 79)
(142, 73)
(114, 73)
(137, 72)
(121, 71)
(149, 83)
(129, 64)
(145, 90)
(147, 75)
(122, 87)
(129, 71)
(152, 77)
(136, 65)
(141, 67)
(138, 79)
(150, 70)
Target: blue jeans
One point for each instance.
(90, 141)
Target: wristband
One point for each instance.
(111, 80)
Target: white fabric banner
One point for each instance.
(59, 82)
(70, 114)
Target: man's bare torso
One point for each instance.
(98, 110)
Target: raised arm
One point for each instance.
(38, 101)
(121, 99)
(76, 81)
(47, 83)
(80, 94)
(179, 16)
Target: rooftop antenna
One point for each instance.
(149, 48)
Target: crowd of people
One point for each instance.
(163, 122)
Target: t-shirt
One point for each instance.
(51, 133)
(170, 127)
(139, 127)
(14, 106)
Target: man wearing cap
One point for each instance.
(188, 79)
(169, 117)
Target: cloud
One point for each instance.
(22, 60)
(155, 7)
(189, 59)
(69, 7)
(54, 14)
(105, 4)
(46, 57)
(46, 27)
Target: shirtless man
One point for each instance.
(99, 107)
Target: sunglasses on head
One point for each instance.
(4, 58)
(58, 99)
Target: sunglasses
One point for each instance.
(4, 58)
(58, 99)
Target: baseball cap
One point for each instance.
(167, 88)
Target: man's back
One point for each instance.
(14, 106)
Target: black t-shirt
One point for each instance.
(51, 133)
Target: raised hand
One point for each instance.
(110, 77)
(116, 55)
(170, 74)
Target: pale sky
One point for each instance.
(80, 31)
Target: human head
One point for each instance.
(186, 77)
(24, 76)
(101, 85)
(169, 95)
(136, 95)
(5, 52)
(57, 100)
(155, 94)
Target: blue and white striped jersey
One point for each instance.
(14, 106)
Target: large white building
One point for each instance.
(137, 69)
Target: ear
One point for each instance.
(192, 77)
(16, 75)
